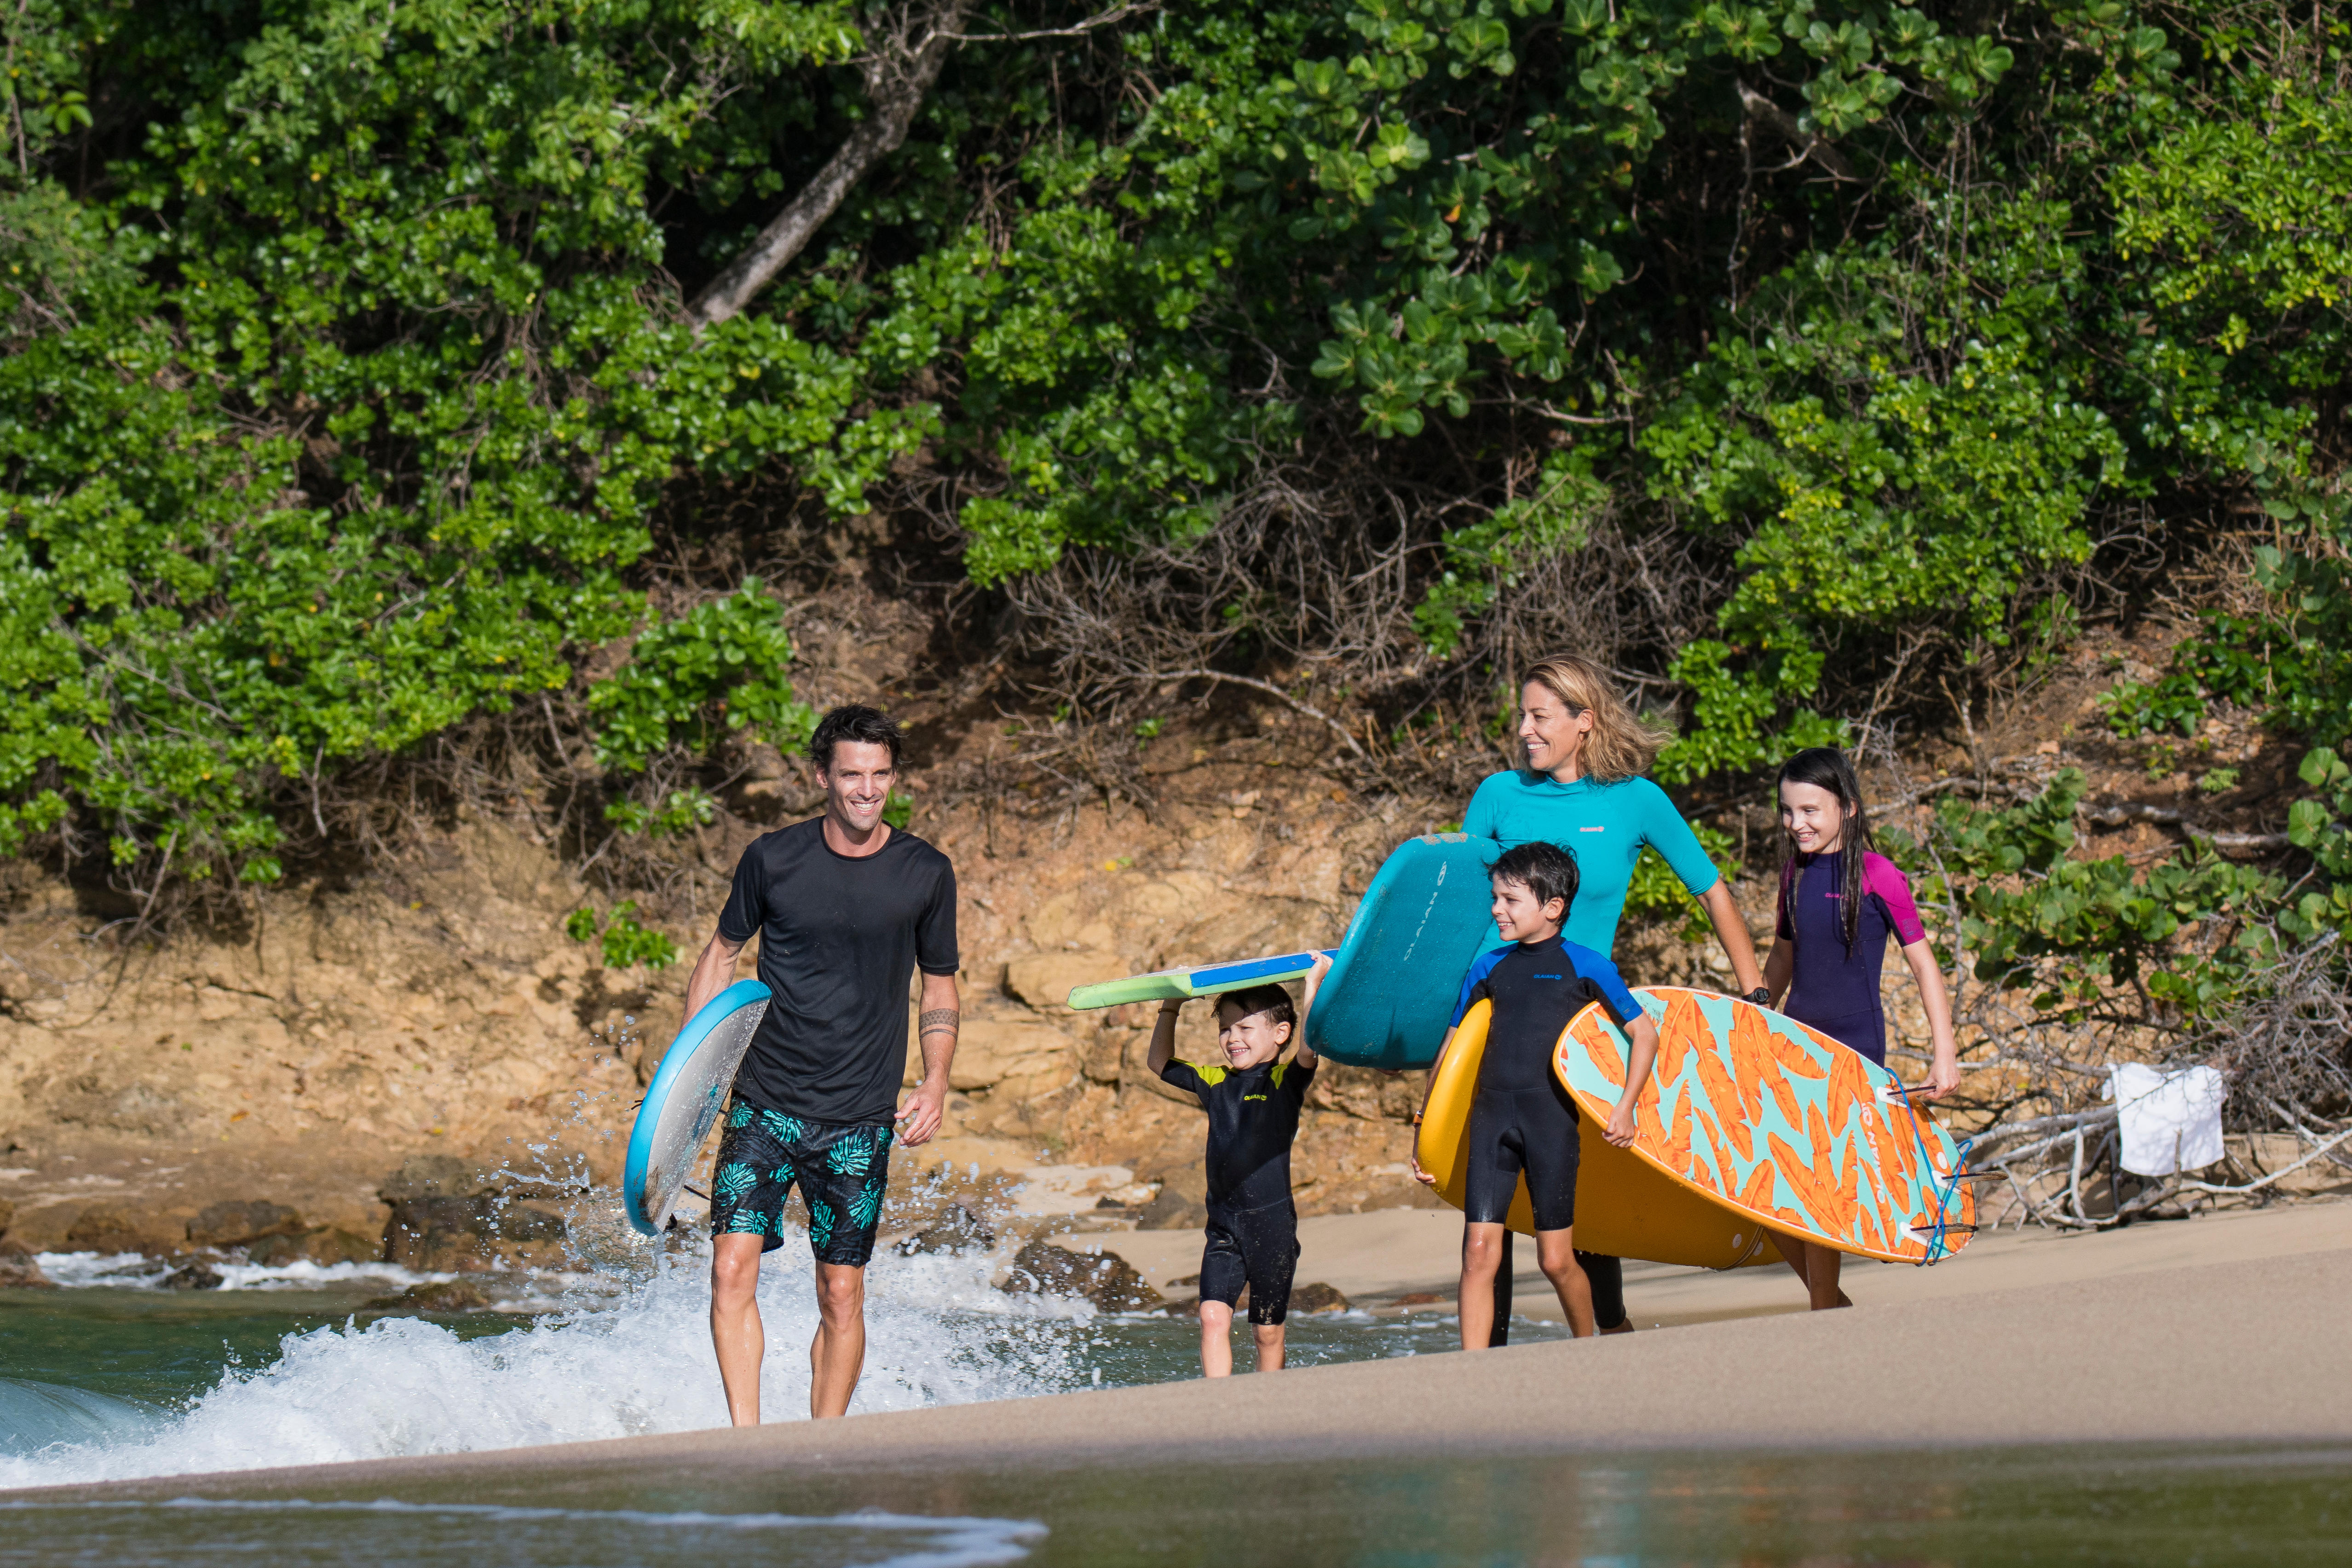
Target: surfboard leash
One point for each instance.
(1936, 1250)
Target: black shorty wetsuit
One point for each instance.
(1252, 1225)
(1521, 1119)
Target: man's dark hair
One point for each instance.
(854, 721)
(1271, 1000)
(1544, 869)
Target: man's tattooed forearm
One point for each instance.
(937, 1020)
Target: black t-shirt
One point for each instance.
(1252, 1117)
(839, 938)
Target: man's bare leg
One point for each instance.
(1269, 1345)
(735, 1331)
(1556, 1255)
(837, 1354)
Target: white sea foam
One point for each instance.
(131, 1271)
(632, 1360)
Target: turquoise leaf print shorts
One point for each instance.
(842, 1169)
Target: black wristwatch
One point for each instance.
(1761, 996)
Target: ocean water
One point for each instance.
(113, 1377)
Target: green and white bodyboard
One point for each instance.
(1194, 980)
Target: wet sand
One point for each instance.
(2119, 1339)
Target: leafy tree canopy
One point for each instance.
(358, 353)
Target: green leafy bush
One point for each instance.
(624, 942)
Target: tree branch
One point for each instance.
(1763, 112)
(1271, 689)
(898, 77)
(1079, 30)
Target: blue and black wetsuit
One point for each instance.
(1253, 1231)
(1521, 1117)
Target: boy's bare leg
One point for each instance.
(1482, 1257)
(1269, 1345)
(837, 1353)
(1216, 1339)
(1556, 1255)
(735, 1332)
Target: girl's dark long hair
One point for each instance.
(1826, 767)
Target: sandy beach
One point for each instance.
(2225, 1329)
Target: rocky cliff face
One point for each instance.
(437, 1012)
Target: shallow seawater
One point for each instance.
(2265, 1508)
(118, 1378)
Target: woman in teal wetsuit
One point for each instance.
(1582, 787)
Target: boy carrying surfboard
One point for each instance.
(1522, 1121)
(1252, 1101)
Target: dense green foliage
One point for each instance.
(349, 384)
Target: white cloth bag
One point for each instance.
(2167, 1121)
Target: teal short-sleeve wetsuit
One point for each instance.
(1606, 826)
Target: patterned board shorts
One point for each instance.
(842, 1169)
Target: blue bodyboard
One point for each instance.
(1391, 993)
(683, 1102)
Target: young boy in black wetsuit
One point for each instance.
(1253, 1103)
(1522, 1120)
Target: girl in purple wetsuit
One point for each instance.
(1838, 903)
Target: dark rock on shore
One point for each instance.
(325, 1246)
(20, 1270)
(238, 1223)
(1317, 1298)
(449, 1296)
(1181, 1204)
(955, 1229)
(105, 1228)
(447, 1218)
(1105, 1278)
(196, 1274)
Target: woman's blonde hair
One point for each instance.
(1621, 745)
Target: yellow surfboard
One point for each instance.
(1624, 1205)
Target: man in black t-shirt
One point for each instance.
(846, 907)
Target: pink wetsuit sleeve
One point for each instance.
(1893, 889)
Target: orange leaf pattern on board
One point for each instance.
(1674, 1143)
(1649, 1132)
(1737, 1112)
(1750, 1048)
(1821, 1206)
(1601, 1047)
(1684, 1029)
(1715, 1082)
(1792, 1055)
(1720, 1175)
(1849, 1088)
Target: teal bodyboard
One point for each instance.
(1390, 996)
(1196, 980)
